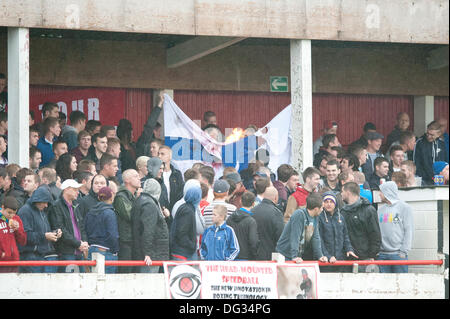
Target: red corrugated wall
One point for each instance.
(239, 109)
(139, 103)
(353, 111)
(441, 107)
(233, 109)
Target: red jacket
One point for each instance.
(8, 243)
(300, 196)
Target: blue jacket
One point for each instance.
(101, 227)
(46, 150)
(334, 235)
(219, 243)
(366, 193)
(36, 224)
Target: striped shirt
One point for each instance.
(208, 212)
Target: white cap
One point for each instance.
(70, 183)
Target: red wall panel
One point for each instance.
(440, 107)
(353, 111)
(239, 109)
(137, 109)
(233, 109)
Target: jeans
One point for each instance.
(37, 269)
(108, 256)
(64, 269)
(393, 268)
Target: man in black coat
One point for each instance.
(429, 149)
(149, 229)
(362, 223)
(63, 215)
(245, 228)
(269, 220)
(155, 170)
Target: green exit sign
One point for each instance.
(278, 84)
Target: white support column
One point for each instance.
(301, 100)
(423, 113)
(18, 96)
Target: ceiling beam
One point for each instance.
(197, 48)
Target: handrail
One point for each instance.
(138, 263)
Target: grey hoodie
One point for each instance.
(396, 222)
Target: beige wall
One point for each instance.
(152, 286)
(403, 21)
(368, 69)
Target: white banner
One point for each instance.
(241, 280)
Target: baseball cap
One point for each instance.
(221, 186)
(70, 183)
(374, 136)
(261, 174)
(235, 177)
(329, 124)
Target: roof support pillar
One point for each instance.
(18, 96)
(301, 100)
(423, 113)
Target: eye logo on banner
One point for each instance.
(184, 282)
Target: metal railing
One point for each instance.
(137, 263)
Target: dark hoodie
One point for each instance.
(35, 224)
(153, 166)
(150, 231)
(183, 233)
(245, 228)
(88, 201)
(101, 227)
(17, 192)
(363, 228)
